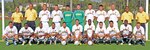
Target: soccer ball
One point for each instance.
(76, 43)
(63, 42)
(90, 42)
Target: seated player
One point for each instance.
(89, 29)
(10, 33)
(41, 33)
(126, 32)
(77, 32)
(53, 32)
(114, 33)
(139, 36)
(25, 33)
(64, 33)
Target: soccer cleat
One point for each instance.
(50, 42)
(38, 42)
(30, 43)
(129, 44)
(23, 43)
(121, 43)
(15, 43)
(55, 42)
(7, 43)
(44, 42)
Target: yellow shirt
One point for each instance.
(31, 15)
(127, 16)
(17, 17)
(142, 17)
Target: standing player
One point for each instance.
(139, 34)
(68, 16)
(65, 33)
(77, 31)
(31, 16)
(126, 32)
(26, 32)
(89, 14)
(44, 16)
(56, 15)
(53, 32)
(113, 15)
(41, 33)
(101, 15)
(10, 33)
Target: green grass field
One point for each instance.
(71, 46)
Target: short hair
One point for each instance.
(100, 22)
(100, 5)
(64, 22)
(79, 4)
(67, 5)
(126, 20)
(53, 23)
(25, 23)
(10, 22)
(56, 5)
(77, 20)
(44, 4)
(30, 4)
(111, 21)
(89, 4)
(138, 23)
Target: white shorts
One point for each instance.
(77, 33)
(89, 33)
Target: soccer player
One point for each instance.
(25, 33)
(114, 33)
(17, 18)
(89, 14)
(139, 34)
(56, 15)
(101, 15)
(41, 33)
(68, 16)
(10, 33)
(53, 32)
(30, 16)
(142, 17)
(113, 15)
(65, 33)
(79, 14)
(44, 16)
(77, 31)
(126, 32)
(89, 29)
(127, 15)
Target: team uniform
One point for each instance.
(68, 16)
(101, 15)
(10, 33)
(77, 30)
(90, 15)
(64, 33)
(26, 34)
(127, 16)
(89, 31)
(57, 15)
(113, 16)
(44, 18)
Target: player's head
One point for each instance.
(30, 6)
(89, 6)
(141, 9)
(111, 23)
(77, 22)
(26, 25)
(11, 24)
(125, 22)
(56, 7)
(64, 24)
(127, 8)
(100, 24)
(112, 6)
(67, 7)
(78, 6)
(138, 25)
(89, 22)
(101, 7)
(40, 25)
(17, 9)
(44, 6)
(53, 25)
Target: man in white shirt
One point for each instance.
(44, 16)
(77, 31)
(56, 15)
(41, 33)
(114, 33)
(101, 15)
(10, 33)
(53, 32)
(89, 13)
(126, 32)
(26, 32)
(139, 34)
(64, 33)
(113, 15)
(89, 30)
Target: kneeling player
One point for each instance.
(139, 34)
(26, 32)
(64, 33)
(10, 33)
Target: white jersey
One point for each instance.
(27, 31)
(113, 15)
(56, 15)
(90, 14)
(75, 28)
(10, 31)
(64, 32)
(101, 15)
(51, 30)
(40, 31)
(112, 30)
(139, 31)
(89, 29)
(44, 15)
(128, 27)
(101, 30)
